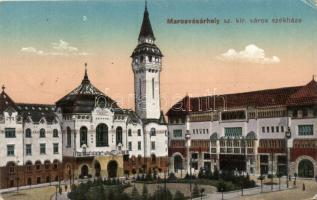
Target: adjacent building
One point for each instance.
(259, 132)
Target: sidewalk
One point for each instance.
(235, 195)
(14, 189)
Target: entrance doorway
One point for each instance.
(305, 169)
(178, 163)
(84, 171)
(232, 162)
(97, 169)
(112, 169)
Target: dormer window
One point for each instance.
(42, 133)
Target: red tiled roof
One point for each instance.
(299, 95)
(306, 95)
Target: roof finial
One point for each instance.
(314, 75)
(3, 87)
(146, 5)
(86, 74)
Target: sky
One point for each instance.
(44, 45)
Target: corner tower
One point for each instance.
(146, 66)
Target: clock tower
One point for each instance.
(146, 66)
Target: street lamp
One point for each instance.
(188, 141)
(56, 187)
(288, 135)
(17, 177)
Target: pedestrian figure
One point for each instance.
(65, 188)
(289, 177)
(316, 178)
(303, 186)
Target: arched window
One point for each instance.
(102, 135)
(119, 135)
(153, 132)
(69, 137)
(28, 133)
(42, 133)
(83, 135)
(47, 164)
(55, 133)
(28, 165)
(153, 158)
(38, 165)
(11, 167)
(55, 164)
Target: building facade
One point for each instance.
(260, 132)
(86, 134)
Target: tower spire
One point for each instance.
(146, 28)
(86, 79)
(3, 88)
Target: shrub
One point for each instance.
(171, 176)
(225, 186)
(179, 196)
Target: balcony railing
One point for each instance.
(100, 153)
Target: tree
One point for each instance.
(145, 192)
(216, 174)
(261, 178)
(196, 192)
(179, 196)
(201, 173)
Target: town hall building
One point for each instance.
(86, 134)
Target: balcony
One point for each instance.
(99, 153)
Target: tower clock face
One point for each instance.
(101, 102)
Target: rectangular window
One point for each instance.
(267, 129)
(130, 146)
(282, 129)
(55, 133)
(9, 132)
(277, 129)
(42, 149)
(55, 148)
(10, 150)
(263, 129)
(272, 129)
(177, 133)
(233, 132)
(28, 149)
(306, 129)
(153, 145)
(139, 145)
(139, 132)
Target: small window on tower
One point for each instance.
(153, 88)
(142, 59)
(150, 58)
(140, 88)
